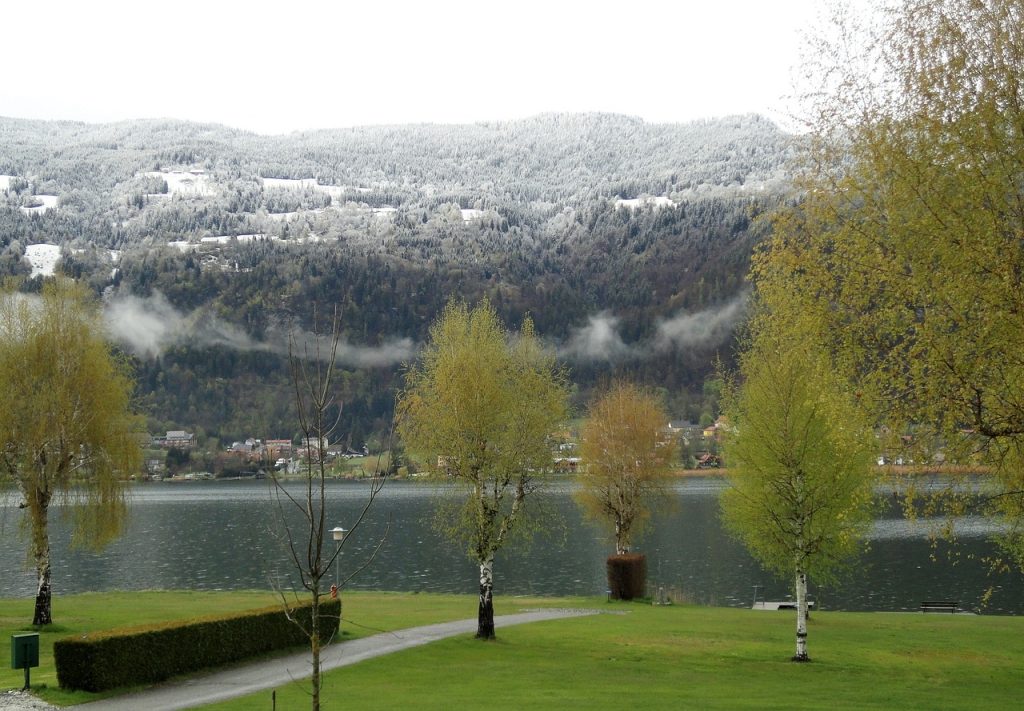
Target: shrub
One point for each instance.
(143, 655)
(627, 575)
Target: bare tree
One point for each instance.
(319, 412)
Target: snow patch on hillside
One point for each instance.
(43, 258)
(637, 203)
(290, 183)
(335, 191)
(48, 202)
(227, 239)
(180, 182)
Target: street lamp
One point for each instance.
(338, 534)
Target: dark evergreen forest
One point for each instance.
(626, 242)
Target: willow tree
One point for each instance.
(906, 253)
(626, 461)
(480, 407)
(66, 429)
(799, 454)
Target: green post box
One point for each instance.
(25, 653)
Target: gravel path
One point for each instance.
(20, 701)
(242, 680)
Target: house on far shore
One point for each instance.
(709, 461)
(679, 427)
(176, 439)
(314, 443)
(681, 430)
(278, 447)
(716, 431)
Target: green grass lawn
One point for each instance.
(693, 657)
(364, 614)
(647, 657)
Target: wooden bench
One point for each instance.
(940, 606)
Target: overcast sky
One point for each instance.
(276, 67)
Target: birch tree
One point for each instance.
(799, 457)
(480, 407)
(905, 256)
(66, 429)
(626, 461)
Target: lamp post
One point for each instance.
(338, 534)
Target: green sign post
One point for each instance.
(25, 653)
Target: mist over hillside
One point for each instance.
(626, 242)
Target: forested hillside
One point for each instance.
(627, 242)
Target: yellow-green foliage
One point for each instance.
(626, 461)
(140, 655)
(66, 426)
(799, 455)
(906, 255)
(66, 429)
(481, 407)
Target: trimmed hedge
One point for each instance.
(627, 576)
(143, 655)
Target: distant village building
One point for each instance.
(567, 465)
(312, 443)
(716, 431)
(249, 446)
(278, 447)
(709, 461)
(176, 439)
(679, 427)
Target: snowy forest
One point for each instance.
(627, 242)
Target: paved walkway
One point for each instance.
(272, 673)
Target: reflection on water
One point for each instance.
(227, 535)
(964, 527)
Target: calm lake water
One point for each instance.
(226, 536)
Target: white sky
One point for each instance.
(276, 67)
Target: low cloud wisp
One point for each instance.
(149, 326)
(708, 327)
(600, 338)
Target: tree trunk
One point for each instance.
(485, 616)
(38, 510)
(43, 614)
(801, 617)
(314, 645)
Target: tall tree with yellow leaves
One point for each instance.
(480, 407)
(626, 461)
(66, 429)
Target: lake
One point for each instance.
(227, 536)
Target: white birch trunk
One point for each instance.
(485, 617)
(39, 511)
(620, 543)
(801, 617)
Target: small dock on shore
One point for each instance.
(778, 605)
(775, 605)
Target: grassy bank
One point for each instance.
(364, 614)
(693, 657)
(646, 657)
